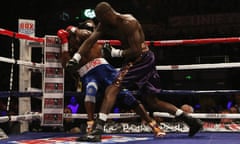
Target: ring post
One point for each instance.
(26, 27)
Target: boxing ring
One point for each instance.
(211, 133)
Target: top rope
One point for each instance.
(153, 43)
(180, 42)
(19, 35)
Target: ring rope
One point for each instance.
(22, 62)
(201, 115)
(34, 94)
(70, 93)
(152, 43)
(37, 115)
(199, 66)
(191, 92)
(181, 42)
(20, 35)
(167, 67)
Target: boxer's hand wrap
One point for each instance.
(116, 52)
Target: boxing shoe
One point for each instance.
(156, 129)
(95, 134)
(194, 124)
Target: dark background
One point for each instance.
(161, 20)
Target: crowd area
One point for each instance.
(208, 104)
(74, 104)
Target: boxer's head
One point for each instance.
(104, 12)
(88, 24)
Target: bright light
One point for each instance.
(188, 77)
(89, 13)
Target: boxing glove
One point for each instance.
(63, 35)
(109, 51)
(106, 50)
(72, 64)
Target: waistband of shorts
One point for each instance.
(91, 65)
(144, 47)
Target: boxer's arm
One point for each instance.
(64, 58)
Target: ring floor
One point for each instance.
(142, 138)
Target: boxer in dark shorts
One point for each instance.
(96, 74)
(142, 75)
(138, 70)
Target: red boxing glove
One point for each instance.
(63, 35)
(71, 29)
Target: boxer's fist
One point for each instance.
(63, 35)
(106, 50)
(72, 65)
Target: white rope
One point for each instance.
(36, 115)
(24, 117)
(199, 66)
(110, 116)
(202, 115)
(167, 67)
(21, 62)
(160, 114)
